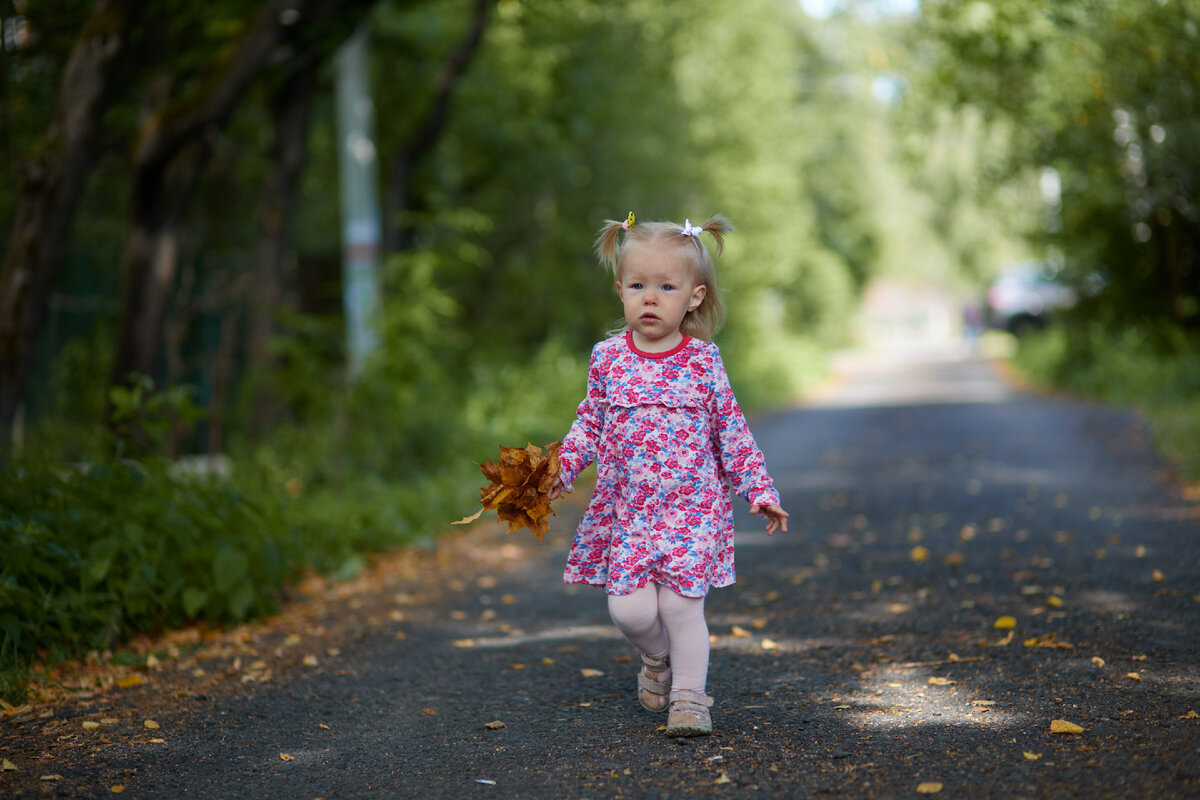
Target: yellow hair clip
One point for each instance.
(629, 222)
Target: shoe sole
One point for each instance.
(688, 730)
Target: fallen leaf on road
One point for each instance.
(1190, 715)
(1005, 623)
(758, 624)
(739, 632)
(724, 778)
(587, 672)
(1142, 657)
(310, 661)
(494, 725)
(117, 789)
(1157, 576)
(899, 608)
(1049, 640)
(1032, 756)
(464, 642)
(11, 767)
(954, 559)
(286, 757)
(769, 644)
(158, 741)
(151, 724)
(1007, 640)
(919, 553)
(1133, 676)
(90, 725)
(1062, 726)
(936, 681)
(929, 787)
(1054, 601)
(1097, 661)
(130, 681)
(841, 707)
(52, 777)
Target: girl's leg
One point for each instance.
(687, 631)
(636, 615)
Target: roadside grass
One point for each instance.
(1152, 369)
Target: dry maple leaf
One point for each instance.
(519, 488)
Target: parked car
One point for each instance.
(1025, 297)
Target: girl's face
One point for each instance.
(657, 288)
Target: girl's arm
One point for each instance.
(581, 443)
(741, 460)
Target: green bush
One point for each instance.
(94, 554)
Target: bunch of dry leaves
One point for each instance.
(519, 488)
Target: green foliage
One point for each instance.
(1152, 367)
(95, 553)
(1100, 100)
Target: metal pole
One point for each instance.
(359, 173)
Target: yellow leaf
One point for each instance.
(158, 741)
(286, 757)
(52, 777)
(310, 660)
(899, 608)
(841, 707)
(1032, 756)
(1005, 623)
(919, 553)
(549, 662)
(1133, 676)
(151, 724)
(587, 672)
(1054, 601)
(724, 778)
(117, 789)
(1190, 715)
(428, 712)
(11, 767)
(1062, 726)
(739, 632)
(129, 681)
(769, 644)
(929, 787)
(1157, 576)
(494, 725)
(1097, 661)
(464, 642)
(935, 681)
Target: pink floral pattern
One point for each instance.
(668, 439)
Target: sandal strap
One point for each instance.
(653, 686)
(655, 666)
(686, 698)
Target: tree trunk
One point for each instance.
(50, 190)
(398, 229)
(174, 148)
(274, 269)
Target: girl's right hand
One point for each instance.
(556, 491)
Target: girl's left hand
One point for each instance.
(776, 517)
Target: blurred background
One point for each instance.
(277, 273)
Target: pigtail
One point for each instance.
(606, 243)
(718, 225)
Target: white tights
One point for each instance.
(660, 622)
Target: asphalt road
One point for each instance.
(857, 655)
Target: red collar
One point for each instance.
(665, 354)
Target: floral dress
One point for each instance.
(668, 439)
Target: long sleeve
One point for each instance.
(582, 442)
(737, 453)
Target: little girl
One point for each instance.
(668, 438)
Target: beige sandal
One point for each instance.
(690, 714)
(650, 689)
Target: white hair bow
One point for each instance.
(691, 230)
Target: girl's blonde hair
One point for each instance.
(705, 320)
